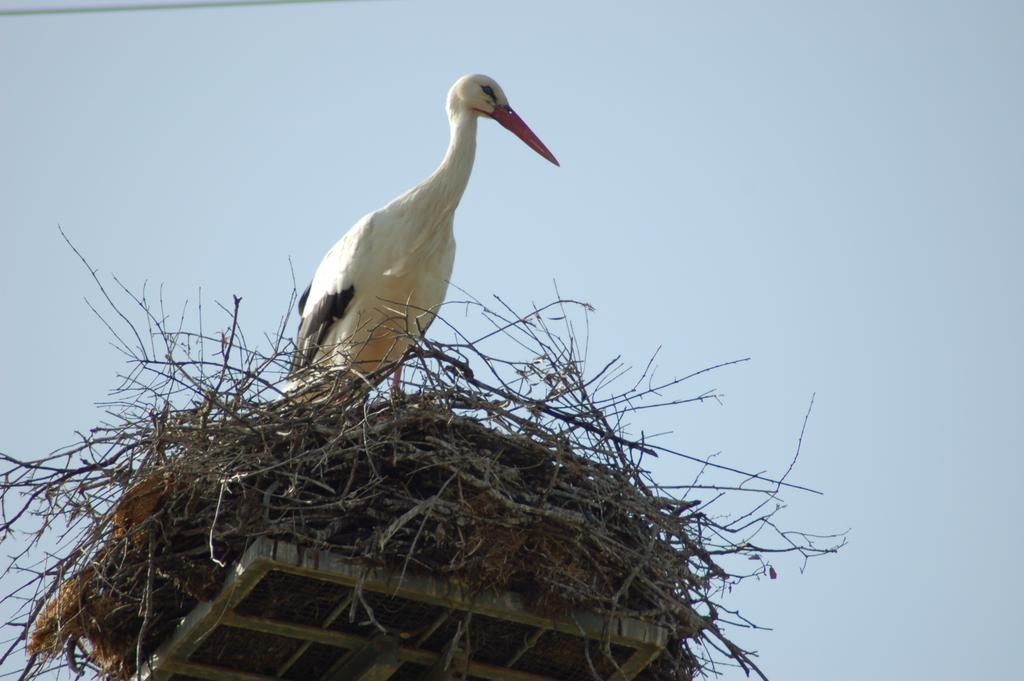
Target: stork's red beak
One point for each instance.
(511, 120)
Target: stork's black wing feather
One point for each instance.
(314, 325)
(303, 297)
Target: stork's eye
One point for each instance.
(489, 91)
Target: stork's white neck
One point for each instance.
(445, 186)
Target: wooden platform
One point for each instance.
(283, 614)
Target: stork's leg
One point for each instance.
(396, 380)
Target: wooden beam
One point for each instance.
(377, 660)
(204, 618)
(530, 642)
(327, 637)
(212, 672)
(333, 615)
(636, 663)
(434, 626)
(448, 663)
(340, 639)
(507, 606)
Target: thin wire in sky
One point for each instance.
(139, 7)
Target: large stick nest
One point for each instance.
(502, 474)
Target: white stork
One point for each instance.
(381, 284)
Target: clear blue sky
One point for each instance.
(834, 189)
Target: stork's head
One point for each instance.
(482, 96)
